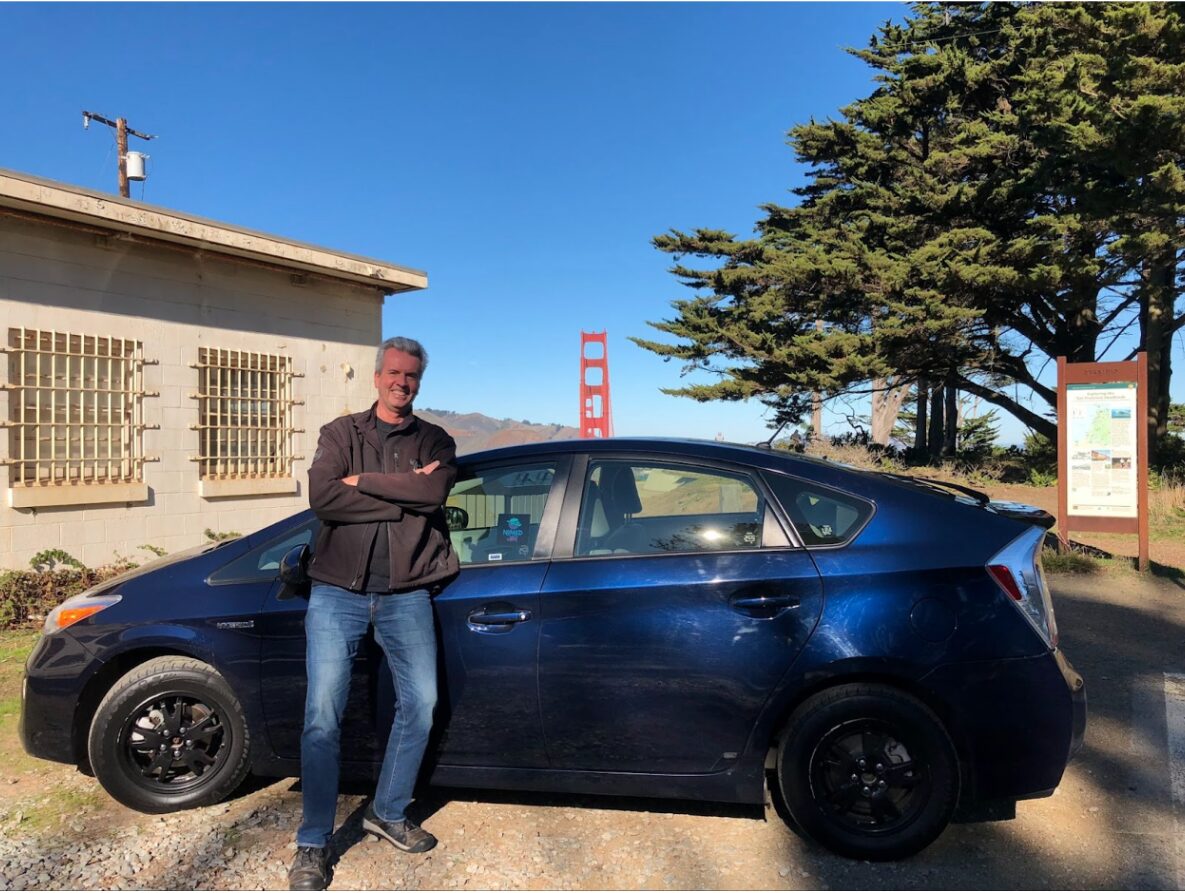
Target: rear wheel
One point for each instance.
(868, 771)
(169, 735)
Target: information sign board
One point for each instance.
(1103, 449)
(1101, 477)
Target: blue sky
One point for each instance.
(522, 154)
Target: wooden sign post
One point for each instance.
(1102, 449)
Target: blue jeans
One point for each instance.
(336, 622)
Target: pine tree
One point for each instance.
(984, 210)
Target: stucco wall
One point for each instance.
(174, 301)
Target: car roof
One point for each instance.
(864, 482)
(705, 449)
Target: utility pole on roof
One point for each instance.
(122, 132)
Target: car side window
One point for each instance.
(632, 508)
(501, 508)
(263, 562)
(822, 516)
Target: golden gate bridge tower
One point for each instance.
(596, 416)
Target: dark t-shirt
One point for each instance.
(378, 573)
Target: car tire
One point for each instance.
(868, 771)
(169, 735)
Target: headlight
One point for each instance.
(75, 608)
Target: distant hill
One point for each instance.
(474, 431)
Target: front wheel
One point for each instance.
(169, 735)
(868, 771)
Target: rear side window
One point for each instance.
(642, 509)
(822, 516)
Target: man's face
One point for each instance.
(397, 382)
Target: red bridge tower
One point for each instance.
(596, 417)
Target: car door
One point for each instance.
(282, 680)
(674, 604)
(488, 708)
(488, 713)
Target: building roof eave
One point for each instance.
(62, 201)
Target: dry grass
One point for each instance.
(1166, 505)
(1069, 563)
(855, 455)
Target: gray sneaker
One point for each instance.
(405, 835)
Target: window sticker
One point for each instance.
(494, 556)
(527, 479)
(513, 528)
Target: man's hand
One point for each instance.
(352, 480)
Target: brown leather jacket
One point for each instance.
(421, 552)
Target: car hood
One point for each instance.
(153, 566)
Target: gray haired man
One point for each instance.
(378, 482)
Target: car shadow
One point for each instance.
(432, 800)
(250, 785)
(349, 834)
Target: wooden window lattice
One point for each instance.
(76, 413)
(245, 415)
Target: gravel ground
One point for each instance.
(1112, 824)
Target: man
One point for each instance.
(377, 482)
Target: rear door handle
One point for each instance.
(758, 602)
(498, 618)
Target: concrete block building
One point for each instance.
(164, 375)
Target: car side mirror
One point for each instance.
(456, 517)
(294, 573)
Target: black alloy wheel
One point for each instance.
(173, 740)
(169, 735)
(867, 779)
(868, 771)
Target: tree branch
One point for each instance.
(1037, 422)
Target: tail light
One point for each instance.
(1017, 570)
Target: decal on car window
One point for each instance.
(513, 528)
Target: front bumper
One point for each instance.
(56, 674)
(1017, 722)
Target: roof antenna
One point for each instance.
(769, 444)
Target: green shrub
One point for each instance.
(977, 437)
(217, 536)
(51, 559)
(1039, 478)
(26, 597)
(1040, 452)
(1068, 563)
(1170, 454)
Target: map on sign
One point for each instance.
(1101, 474)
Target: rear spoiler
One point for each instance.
(1018, 511)
(1030, 514)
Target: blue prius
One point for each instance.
(638, 617)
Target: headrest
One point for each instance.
(620, 490)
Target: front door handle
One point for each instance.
(498, 618)
(765, 602)
(494, 619)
